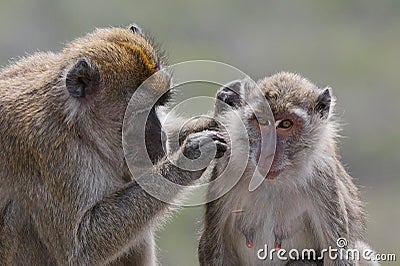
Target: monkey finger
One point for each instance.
(221, 149)
(220, 137)
(215, 135)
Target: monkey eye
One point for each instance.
(285, 124)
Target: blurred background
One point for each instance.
(352, 46)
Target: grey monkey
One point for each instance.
(307, 200)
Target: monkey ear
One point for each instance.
(135, 29)
(229, 95)
(323, 104)
(82, 79)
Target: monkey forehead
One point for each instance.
(287, 91)
(257, 107)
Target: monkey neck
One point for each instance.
(278, 209)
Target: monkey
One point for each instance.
(67, 196)
(306, 200)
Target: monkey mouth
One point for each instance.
(272, 174)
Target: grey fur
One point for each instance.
(310, 204)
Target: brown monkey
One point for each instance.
(307, 200)
(66, 195)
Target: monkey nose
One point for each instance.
(266, 152)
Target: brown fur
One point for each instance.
(66, 195)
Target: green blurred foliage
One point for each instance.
(352, 46)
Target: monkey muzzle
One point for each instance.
(265, 154)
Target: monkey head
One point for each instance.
(104, 68)
(301, 113)
(99, 74)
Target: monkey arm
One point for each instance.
(333, 222)
(211, 251)
(110, 225)
(113, 223)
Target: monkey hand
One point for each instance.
(205, 141)
(195, 155)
